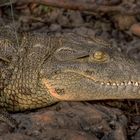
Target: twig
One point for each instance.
(97, 6)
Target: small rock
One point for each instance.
(4, 128)
(135, 29)
(137, 135)
(55, 27)
(124, 22)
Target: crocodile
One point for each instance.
(41, 69)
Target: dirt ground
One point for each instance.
(102, 120)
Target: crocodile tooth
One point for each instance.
(118, 84)
(108, 83)
(114, 84)
(136, 84)
(122, 84)
(129, 83)
(102, 83)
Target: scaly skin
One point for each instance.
(44, 69)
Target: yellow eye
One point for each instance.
(99, 56)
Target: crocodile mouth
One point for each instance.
(72, 83)
(109, 83)
(112, 83)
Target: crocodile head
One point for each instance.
(88, 68)
(42, 70)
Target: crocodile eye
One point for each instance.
(99, 56)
